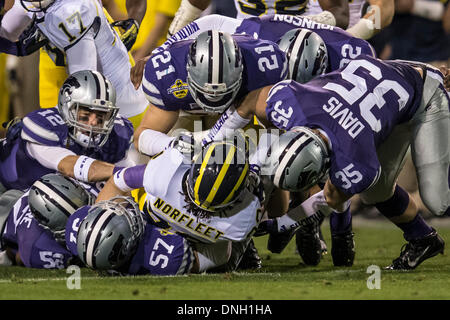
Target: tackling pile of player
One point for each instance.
(253, 126)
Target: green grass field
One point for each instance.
(283, 277)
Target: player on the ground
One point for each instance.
(83, 137)
(363, 18)
(75, 28)
(41, 231)
(335, 11)
(203, 75)
(114, 235)
(33, 230)
(356, 124)
(341, 47)
(214, 201)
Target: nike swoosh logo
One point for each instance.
(413, 263)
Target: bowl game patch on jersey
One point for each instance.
(179, 89)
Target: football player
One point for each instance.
(114, 235)
(341, 47)
(75, 28)
(33, 231)
(203, 76)
(353, 127)
(41, 231)
(364, 18)
(83, 137)
(214, 201)
(335, 11)
(29, 41)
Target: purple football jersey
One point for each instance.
(165, 74)
(36, 246)
(159, 252)
(72, 226)
(19, 169)
(341, 46)
(163, 253)
(357, 107)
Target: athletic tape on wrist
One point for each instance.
(119, 180)
(81, 168)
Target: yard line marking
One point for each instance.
(241, 274)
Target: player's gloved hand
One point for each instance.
(253, 177)
(267, 226)
(185, 14)
(130, 29)
(31, 40)
(13, 128)
(185, 143)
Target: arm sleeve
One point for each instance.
(14, 22)
(128, 179)
(47, 156)
(77, 59)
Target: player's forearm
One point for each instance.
(136, 9)
(14, 22)
(109, 191)
(335, 198)
(159, 29)
(85, 169)
(228, 122)
(446, 20)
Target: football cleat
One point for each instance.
(310, 244)
(250, 259)
(343, 249)
(278, 241)
(415, 252)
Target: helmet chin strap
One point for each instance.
(85, 140)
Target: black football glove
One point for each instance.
(267, 226)
(129, 31)
(31, 40)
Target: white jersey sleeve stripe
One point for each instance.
(38, 130)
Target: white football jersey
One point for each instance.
(66, 22)
(163, 182)
(250, 8)
(354, 7)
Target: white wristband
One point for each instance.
(152, 142)
(363, 29)
(119, 181)
(81, 168)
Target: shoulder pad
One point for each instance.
(44, 126)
